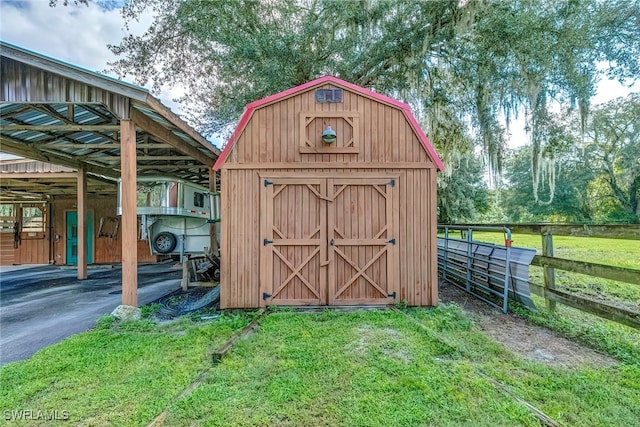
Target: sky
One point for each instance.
(76, 34)
(79, 35)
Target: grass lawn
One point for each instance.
(363, 368)
(120, 374)
(381, 369)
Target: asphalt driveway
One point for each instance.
(42, 305)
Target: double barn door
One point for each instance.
(328, 241)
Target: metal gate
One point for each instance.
(485, 270)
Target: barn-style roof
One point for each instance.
(56, 112)
(253, 106)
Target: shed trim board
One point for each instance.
(347, 223)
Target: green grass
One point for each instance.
(117, 374)
(379, 368)
(356, 369)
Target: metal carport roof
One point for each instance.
(63, 114)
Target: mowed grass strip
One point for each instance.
(119, 374)
(380, 368)
(359, 369)
(338, 369)
(580, 395)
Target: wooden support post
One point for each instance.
(549, 273)
(185, 273)
(129, 213)
(213, 229)
(82, 224)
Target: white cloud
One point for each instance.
(76, 34)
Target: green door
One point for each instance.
(72, 238)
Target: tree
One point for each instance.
(461, 65)
(499, 55)
(597, 170)
(573, 201)
(612, 146)
(463, 194)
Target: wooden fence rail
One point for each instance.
(550, 263)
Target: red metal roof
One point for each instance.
(251, 107)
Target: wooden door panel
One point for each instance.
(294, 246)
(361, 241)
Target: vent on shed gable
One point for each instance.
(329, 95)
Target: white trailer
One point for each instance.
(175, 215)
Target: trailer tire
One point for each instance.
(216, 274)
(164, 242)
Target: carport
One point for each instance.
(100, 130)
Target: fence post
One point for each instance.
(446, 252)
(469, 257)
(549, 272)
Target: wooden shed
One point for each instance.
(312, 218)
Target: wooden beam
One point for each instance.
(144, 158)
(161, 109)
(62, 128)
(38, 175)
(173, 167)
(621, 274)
(82, 224)
(331, 165)
(549, 272)
(97, 145)
(606, 311)
(129, 214)
(605, 231)
(167, 136)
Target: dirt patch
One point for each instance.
(388, 341)
(521, 337)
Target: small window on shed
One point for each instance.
(329, 95)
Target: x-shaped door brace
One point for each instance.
(296, 272)
(360, 271)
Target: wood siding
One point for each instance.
(269, 147)
(241, 240)
(7, 250)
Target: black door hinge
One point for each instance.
(392, 295)
(267, 183)
(392, 241)
(392, 183)
(265, 295)
(266, 242)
